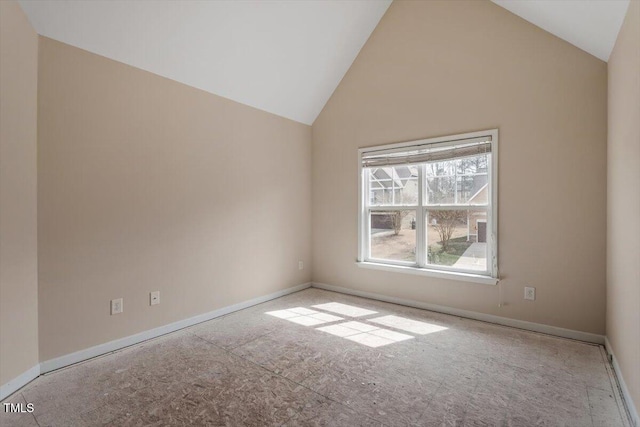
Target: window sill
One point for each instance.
(465, 277)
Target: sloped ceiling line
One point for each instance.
(283, 57)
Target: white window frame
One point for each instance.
(491, 276)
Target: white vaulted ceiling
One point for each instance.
(284, 57)
(591, 25)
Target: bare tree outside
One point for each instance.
(396, 218)
(446, 223)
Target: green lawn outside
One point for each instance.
(455, 249)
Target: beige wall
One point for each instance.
(442, 67)
(18, 226)
(146, 184)
(623, 239)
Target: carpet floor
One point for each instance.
(322, 358)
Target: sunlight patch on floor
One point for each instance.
(304, 316)
(408, 325)
(344, 309)
(357, 331)
(369, 335)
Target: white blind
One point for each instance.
(424, 153)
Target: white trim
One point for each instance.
(505, 321)
(392, 208)
(421, 226)
(493, 183)
(363, 189)
(20, 381)
(396, 267)
(111, 346)
(108, 347)
(628, 402)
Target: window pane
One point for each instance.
(458, 181)
(472, 190)
(472, 165)
(393, 235)
(457, 238)
(441, 190)
(396, 185)
(446, 168)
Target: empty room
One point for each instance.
(320, 213)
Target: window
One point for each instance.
(430, 206)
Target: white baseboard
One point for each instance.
(633, 412)
(20, 381)
(98, 350)
(505, 321)
(108, 347)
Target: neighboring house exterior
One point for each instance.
(477, 220)
(394, 186)
(399, 185)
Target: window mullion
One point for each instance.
(455, 183)
(365, 226)
(420, 222)
(458, 207)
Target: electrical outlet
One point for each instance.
(529, 293)
(154, 298)
(300, 265)
(117, 306)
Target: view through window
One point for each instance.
(430, 204)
